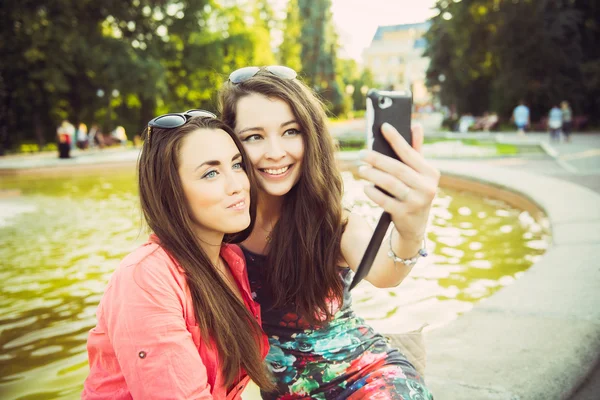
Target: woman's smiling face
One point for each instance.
(272, 138)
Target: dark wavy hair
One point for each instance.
(305, 250)
(220, 314)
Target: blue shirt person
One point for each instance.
(555, 122)
(521, 117)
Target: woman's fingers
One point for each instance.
(385, 181)
(389, 204)
(393, 167)
(418, 136)
(414, 197)
(407, 154)
(412, 182)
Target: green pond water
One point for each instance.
(62, 237)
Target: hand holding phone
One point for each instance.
(395, 108)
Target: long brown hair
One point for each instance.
(221, 316)
(305, 249)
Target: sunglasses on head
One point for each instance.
(243, 74)
(175, 120)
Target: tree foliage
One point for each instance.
(589, 33)
(119, 62)
(356, 81)
(290, 50)
(123, 62)
(318, 52)
(488, 54)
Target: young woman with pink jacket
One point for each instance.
(177, 319)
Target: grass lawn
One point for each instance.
(488, 147)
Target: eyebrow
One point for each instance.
(262, 129)
(214, 163)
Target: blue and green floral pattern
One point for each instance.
(341, 359)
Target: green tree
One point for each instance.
(488, 54)
(63, 54)
(462, 61)
(348, 73)
(589, 32)
(539, 62)
(264, 23)
(119, 63)
(33, 67)
(290, 50)
(319, 52)
(361, 85)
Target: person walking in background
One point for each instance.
(555, 123)
(305, 247)
(118, 135)
(567, 120)
(82, 137)
(520, 117)
(93, 136)
(64, 136)
(177, 319)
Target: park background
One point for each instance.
(64, 224)
(120, 63)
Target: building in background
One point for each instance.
(395, 57)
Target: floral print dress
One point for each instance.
(341, 359)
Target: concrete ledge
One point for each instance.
(540, 337)
(48, 163)
(72, 169)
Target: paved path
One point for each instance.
(576, 162)
(49, 160)
(579, 162)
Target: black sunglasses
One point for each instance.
(175, 120)
(243, 74)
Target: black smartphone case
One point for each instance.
(393, 107)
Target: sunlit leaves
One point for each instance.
(159, 56)
(291, 48)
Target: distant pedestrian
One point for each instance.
(92, 139)
(96, 137)
(555, 123)
(119, 136)
(465, 122)
(567, 120)
(82, 136)
(521, 117)
(64, 136)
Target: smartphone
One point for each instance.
(395, 108)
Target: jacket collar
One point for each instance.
(234, 259)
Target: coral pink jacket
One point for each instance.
(147, 343)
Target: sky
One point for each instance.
(357, 20)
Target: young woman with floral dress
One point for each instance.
(304, 248)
